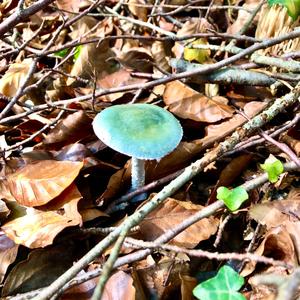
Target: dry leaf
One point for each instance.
(14, 77)
(38, 183)
(8, 254)
(277, 244)
(187, 103)
(173, 212)
(82, 291)
(69, 5)
(69, 130)
(40, 269)
(138, 11)
(217, 132)
(119, 287)
(38, 228)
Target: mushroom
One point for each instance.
(142, 131)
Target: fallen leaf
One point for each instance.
(187, 285)
(8, 254)
(277, 244)
(137, 10)
(69, 130)
(119, 286)
(40, 269)
(219, 131)
(163, 277)
(82, 291)
(40, 182)
(187, 103)
(14, 77)
(171, 213)
(38, 228)
(69, 5)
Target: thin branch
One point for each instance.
(22, 15)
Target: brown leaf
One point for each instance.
(188, 283)
(38, 228)
(82, 291)
(39, 270)
(137, 10)
(69, 130)
(277, 244)
(217, 132)
(186, 103)
(69, 5)
(14, 77)
(8, 254)
(119, 78)
(38, 183)
(119, 287)
(158, 50)
(171, 213)
(137, 58)
(93, 60)
(163, 278)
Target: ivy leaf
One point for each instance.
(234, 198)
(224, 286)
(292, 6)
(273, 167)
(62, 53)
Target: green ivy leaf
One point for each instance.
(61, 53)
(273, 167)
(292, 6)
(234, 198)
(224, 286)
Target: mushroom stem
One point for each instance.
(138, 177)
(137, 173)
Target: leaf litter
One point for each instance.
(62, 190)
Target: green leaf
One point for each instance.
(61, 53)
(77, 52)
(224, 286)
(234, 198)
(273, 167)
(292, 6)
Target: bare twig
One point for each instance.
(22, 15)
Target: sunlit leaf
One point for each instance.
(273, 167)
(292, 6)
(38, 183)
(193, 54)
(234, 198)
(224, 286)
(38, 228)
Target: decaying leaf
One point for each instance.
(171, 213)
(39, 270)
(8, 254)
(38, 227)
(187, 103)
(38, 183)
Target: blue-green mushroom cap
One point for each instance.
(144, 131)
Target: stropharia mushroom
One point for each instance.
(142, 131)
